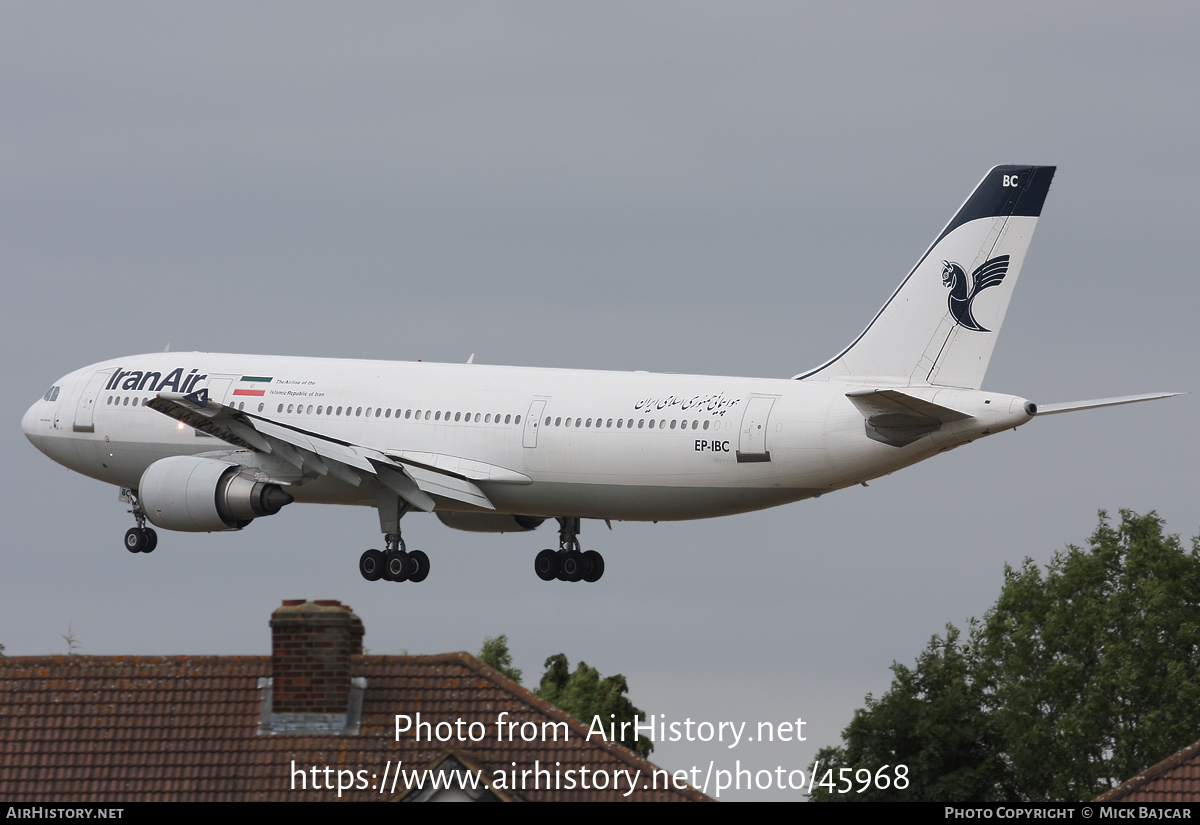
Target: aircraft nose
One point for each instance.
(29, 422)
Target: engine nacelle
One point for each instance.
(490, 522)
(202, 495)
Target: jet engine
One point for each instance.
(202, 495)
(490, 522)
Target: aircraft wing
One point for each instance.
(415, 477)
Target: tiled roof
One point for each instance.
(1175, 779)
(91, 729)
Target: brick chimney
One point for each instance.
(311, 646)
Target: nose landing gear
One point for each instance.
(140, 539)
(569, 563)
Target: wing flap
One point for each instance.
(440, 484)
(464, 467)
(402, 485)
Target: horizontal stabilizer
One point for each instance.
(897, 418)
(1071, 406)
(879, 402)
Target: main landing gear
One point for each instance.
(569, 563)
(140, 539)
(394, 563)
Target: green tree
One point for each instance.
(930, 722)
(1077, 679)
(495, 654)
(584, 695)
(1094, 668)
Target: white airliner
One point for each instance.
(204, 442)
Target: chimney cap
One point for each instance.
(315, 606)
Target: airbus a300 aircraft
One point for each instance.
(205, 442)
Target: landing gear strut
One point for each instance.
(140, 539)
(569, 563)
(394, 563)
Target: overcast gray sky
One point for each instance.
(701, 188)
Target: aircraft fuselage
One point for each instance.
(592, 444)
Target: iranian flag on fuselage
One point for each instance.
(250, 383)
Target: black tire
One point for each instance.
(135, 540)
(572, 566)
(593, 566)
(370, 565)
(418, 566)
(545, 564)
(396, 566)
(151, 540)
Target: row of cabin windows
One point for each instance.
(486, 418)
(380, 412)
(116, 401)
(627, 423)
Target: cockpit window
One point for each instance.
(51, 394)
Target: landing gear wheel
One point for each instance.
(370, 564)
(151, 540)
(546, 565)
(593, 566)
(418, 567)
(135, 540)
(396, 566)
(572, 566)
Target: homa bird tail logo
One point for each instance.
(962, 295)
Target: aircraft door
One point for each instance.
(533, 421)
(218, 388)
(752, 441)
(86, 411)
